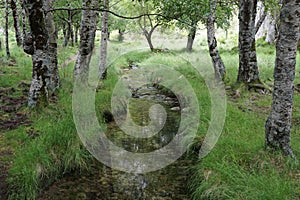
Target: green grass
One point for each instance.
(237, 168)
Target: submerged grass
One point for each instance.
(237, 168)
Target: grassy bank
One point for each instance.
(237, 168)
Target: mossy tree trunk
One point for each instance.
(42, 48)
(278, 124)
(218, 64)
(15, 14)
(248, 69)
(88, 28)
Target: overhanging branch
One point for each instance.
(120, 16)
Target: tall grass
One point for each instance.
(237, 168)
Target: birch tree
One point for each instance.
(38, 45)
(278, 124)
(218, 64)
(6, 30)
(104, 40)
(54, 83)
(88, 28)
(15, 14)
(248, 69)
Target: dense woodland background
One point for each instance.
(249, 46)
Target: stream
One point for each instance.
(105, 183)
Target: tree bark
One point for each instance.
(16, 22)
(38, 93)
(88, 28)
(271, 33)
(218, 64)
(76, 34)
(43, 50)
(191, 38)
(278, 124)
(148, 34)
(66, 35)
(260, 19)
(248, 69)
(6, 30)
(24, 28)
(54, 83)
(70, 27)
(104, 40)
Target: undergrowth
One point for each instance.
(237, 168)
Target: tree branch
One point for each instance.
(118, 15)
(260, 22)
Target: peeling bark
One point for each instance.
(218, 64)
(248, 69)
(15, 14)
(104, 40)
(278, 124)
(88, 27)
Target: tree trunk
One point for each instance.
(248, 69)
(104, 39)
(147, 34)
(42, 76)
(72, 35)
(261, 15)
(76, 34)
(52, 47)
(24, 28)
(271, 33)
(218, 64)
(149, 40)
(6, 30)
(88, 28)
(191, 38)
(121, 35)
(16, 22)
(70, 28)
(66, 35)
(278, 125)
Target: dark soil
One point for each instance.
(11, 115)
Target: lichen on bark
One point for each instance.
(278, 124)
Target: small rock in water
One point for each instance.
(175, 108)
(133, 66)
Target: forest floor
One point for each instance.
(12, 115)
(38, 147)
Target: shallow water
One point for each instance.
(102, 182)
